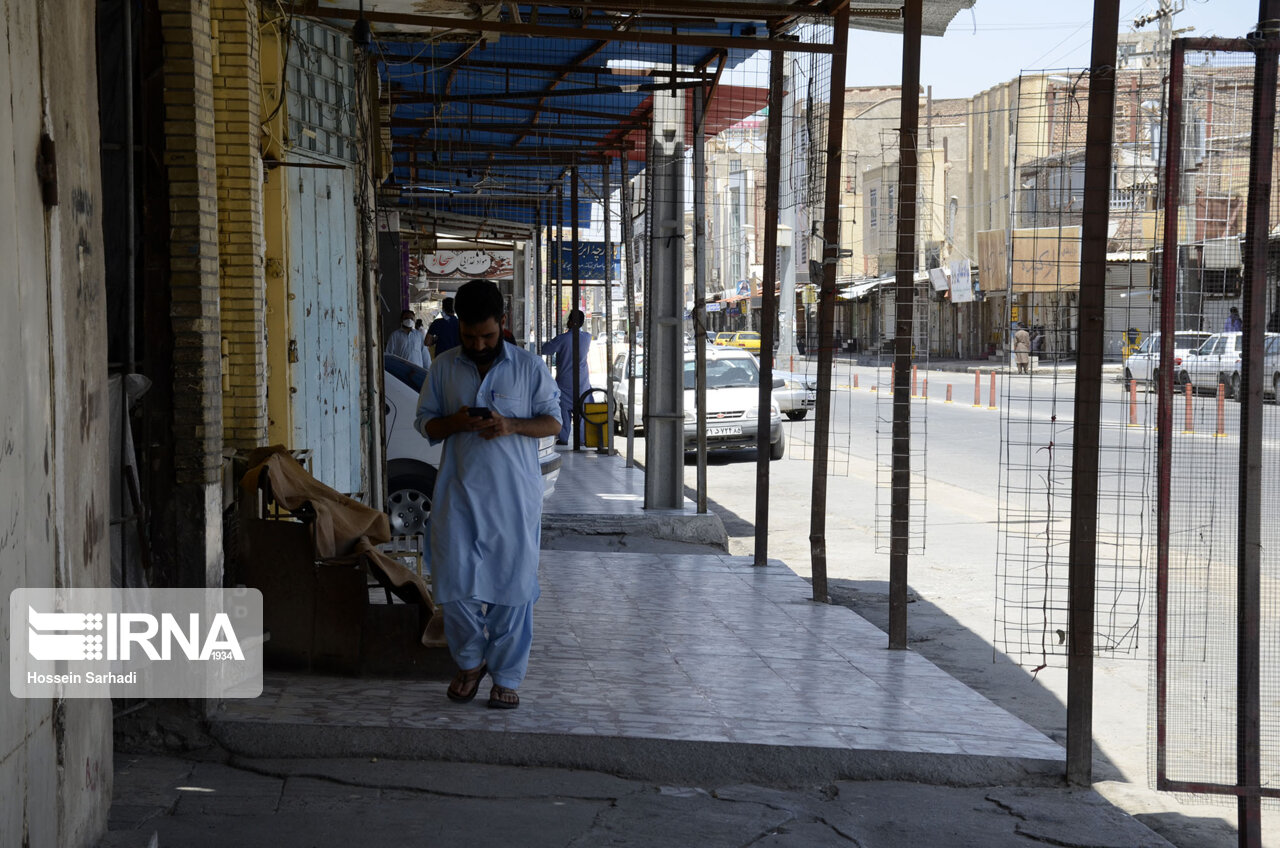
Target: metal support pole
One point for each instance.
(558, 306)
(606, 190)
(537, 281)
(576, 297)
(904, 326)
(664, 339)
(1083, 550)
(768, 302)
(827, 305)
(1249, 539)
(629, 281)
(700, 285)
(1165, 399)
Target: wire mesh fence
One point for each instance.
(1034, 262)
(1195, 717)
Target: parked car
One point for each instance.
(1218, 361)
(412, 461)
(733, 380)
(746, 340)
(1142, 363)
(721, 338)
(799, 394)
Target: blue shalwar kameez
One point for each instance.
(486, 511)
(561, 347)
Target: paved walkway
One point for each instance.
(672, 700)
(634, 653)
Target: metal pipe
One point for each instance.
(575, 295)
(1249, 538)
(826, 308)
(1083, 549)
(904, 327)
(700, 285)
(629, 281)
(768, 302)
(606, 434)
(537, 280)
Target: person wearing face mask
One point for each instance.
(407, 343)
(489, 403)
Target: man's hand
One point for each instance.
(500, 425)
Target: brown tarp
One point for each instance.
(346, 531)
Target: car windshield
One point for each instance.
(1188, 341)
(724, 374)
(1150, 345)
(404, 371)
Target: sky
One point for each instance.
(999, 39)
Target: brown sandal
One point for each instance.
(466, 684)
(502, 698)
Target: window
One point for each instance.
(873, 213)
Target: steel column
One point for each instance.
(700, 284)
(1249, 544)
(629, 281)
(664, 340)
(575, 296)
(607, 190)
(827, 305)
(1083, 548)
(768, 302)
(904, 326)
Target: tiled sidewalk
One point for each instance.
(670, 667)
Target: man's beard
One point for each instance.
(481, 357)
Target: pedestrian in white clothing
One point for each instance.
(407, 342)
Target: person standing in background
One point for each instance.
(406, 342)
(561, 347)
(442, 334)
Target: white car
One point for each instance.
(1143, 362)
(412, 460)
(733, 380)
(1218, 361)
(798, 394)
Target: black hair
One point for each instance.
(448, 305)
(576, 317)
(477, 301)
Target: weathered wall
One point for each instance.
(55, 757)
(189, 159)
(236, 97)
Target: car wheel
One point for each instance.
(620, 423)
(1183, 379)
(779, 448)
(1275, 387)
(409, 491)
(797, 414)
(1233, 386)
(1128, 376)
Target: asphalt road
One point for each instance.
(964, 557)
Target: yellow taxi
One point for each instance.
(747, 341)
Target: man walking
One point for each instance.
(561, 347)
(489, 402)
(442, 333)
(406, 342)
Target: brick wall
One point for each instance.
(193, 244)
(237, 115)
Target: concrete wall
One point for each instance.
(55, 757)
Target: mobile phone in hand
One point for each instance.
(479, 412)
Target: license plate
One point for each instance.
(725, 431)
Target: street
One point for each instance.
(967, 561)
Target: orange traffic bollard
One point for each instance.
(948, 393)
(1222, 411)
(913, 381)
(1133, 403)
(1188, 422)
(924, 388)
(855, 381)
(977, 388)
(992, 405)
